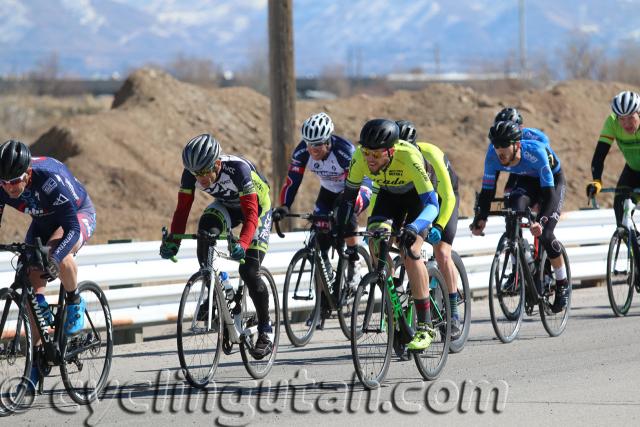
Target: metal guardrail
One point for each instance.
(585, 234)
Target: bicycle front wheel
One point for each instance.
(301, 298)
(199, 330)
(16, 353)
(621, 271)
(371, 331)
(87, 355)
(506, 291)
(431, 362)
(362, 267)
(259, 367)
(554, 323)
(464, 304)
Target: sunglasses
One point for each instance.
(375, 154)
(14, 181)
(203, 172)
(317, 144)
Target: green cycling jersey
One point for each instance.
(629, 143)
(436, 158)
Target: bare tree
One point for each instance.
(47, 68)
(625, 67)
(582, 60)
(196, 70)
(256, 74)
(333, 78)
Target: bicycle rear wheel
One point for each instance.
(199, 331)
(506, 291)
(301, 298)
(87, 355)
(16, 353)
(554, 323)
(371, 331)
(621, 272)
(431, 362)
(464, 304)
(363, 266)
(259, 367)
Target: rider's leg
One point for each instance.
(628, 179)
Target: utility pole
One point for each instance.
(282, 87)
(523, 49)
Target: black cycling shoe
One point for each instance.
(562, 298)
(263, 346)
(456, 329)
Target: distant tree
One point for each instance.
(256, 73)
(582, 60)
(192, 69)
(625, 67)
(333, 78)
(47, 67)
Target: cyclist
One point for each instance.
(241, 196)
(538, 179)
(445, 181)
(623, 125)
(328, 156)
(403, 196)
(63, 217)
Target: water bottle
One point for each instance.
(226, 285)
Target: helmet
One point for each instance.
(503, 134)
(317, 129)
(407, 131)
(200, 153)
(15, 158)
(379, 133)
(625, 103)
(509, 114)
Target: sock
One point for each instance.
(73, 297)
(561, 273)
(422, 310)
(453, 300)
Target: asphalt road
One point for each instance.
(587, 376)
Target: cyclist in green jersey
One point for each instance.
(623, 126)
(403, 198)
(445, 181)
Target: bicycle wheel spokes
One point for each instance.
(432, 361)
(362, 267)
(199, 331)
(259, 366)
(464, 304)
(554, 323)
(87, 355)
(506, 293)
(620, 273)
(300, 301)
(16, 354)
(371, 332)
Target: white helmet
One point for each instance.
(317, 129)
(625, 103)
(200, 153)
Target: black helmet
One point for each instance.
(503, 134)
(15, 158)
(379, 133)
(509, 114)
(407, 131)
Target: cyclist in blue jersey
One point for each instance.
(539, 179)
(63, 217)
(328, 156)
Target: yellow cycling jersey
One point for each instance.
(444, 187)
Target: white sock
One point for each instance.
(561, 273)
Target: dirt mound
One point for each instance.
(129, 156)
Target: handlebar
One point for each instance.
(39, 251)
(311, 217)
(620, 190)
(208, 237)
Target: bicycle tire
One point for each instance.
(371, 342)
(306, 276)
(431, 361)
(90, 351)
(191, 332)
(16, 356)
(259, 368)
(554, 323)
(620, 281)
(348, 293)
(464, 304)
(506, 291)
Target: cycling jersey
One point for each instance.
(53, 197)
(238, 185)
(443, 178)
(405, 172)
(332, 171)
(629, 143)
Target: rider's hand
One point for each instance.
(51, 270)
(409, 236)
(169, 249)
(477, 227)
(593, 188)
(279, 213)
(237, 252)
(536, 229)
(435, 234)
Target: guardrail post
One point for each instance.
(127, 334)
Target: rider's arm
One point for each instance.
(249, 207)
(597, 163)
(60, 200)
(425, 191)
(351, 188)
(185, 200)
(547, 185)
(489, 178)
(436, 158)
(295, 174)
